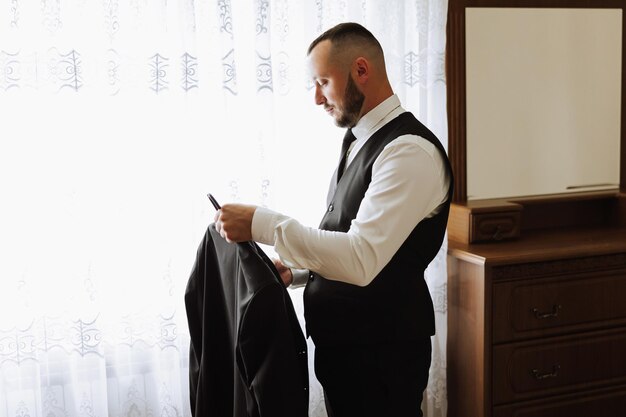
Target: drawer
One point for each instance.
(477, 222)
(544, 307)
(494, 226)
(605, 404)
(557, 366)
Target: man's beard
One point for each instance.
(353, 100)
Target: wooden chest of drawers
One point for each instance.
(537, 327)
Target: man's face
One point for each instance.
(335, 88)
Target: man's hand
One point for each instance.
(234, 222)
(285, 273)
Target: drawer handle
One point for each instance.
(539, 376)
(554, 313)
(498, 235)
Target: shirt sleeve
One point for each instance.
(409, 183)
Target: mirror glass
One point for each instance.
(543, 100)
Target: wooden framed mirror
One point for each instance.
(486, 215)
(516, 256)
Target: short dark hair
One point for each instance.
(348, 31)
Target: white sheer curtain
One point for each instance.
(117, 118)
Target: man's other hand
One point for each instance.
(234, 222)
(285, 272)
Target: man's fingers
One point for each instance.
(284, 271)
(219, 224)
(233, 222)
(220, 229)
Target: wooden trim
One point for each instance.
(567, 4)
(622, 179)
(467, 374)
(455, 80)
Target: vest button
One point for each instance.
(311, 276)
(331, 208)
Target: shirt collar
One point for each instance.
(369, 121)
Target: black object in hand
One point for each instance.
(214, 201)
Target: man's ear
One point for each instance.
(362, 69)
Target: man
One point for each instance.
(367, 306)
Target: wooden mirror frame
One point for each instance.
(456, 81)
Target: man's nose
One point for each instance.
(319, 97)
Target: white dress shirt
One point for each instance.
(409, 183)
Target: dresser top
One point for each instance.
(543, 245)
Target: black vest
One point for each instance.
(396, 305)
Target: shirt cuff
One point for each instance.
(300, 277)
(264, 222)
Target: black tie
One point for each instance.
(347, 141)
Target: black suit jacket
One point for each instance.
(248, 354)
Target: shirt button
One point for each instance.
(331, 208)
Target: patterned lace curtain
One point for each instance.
(117, 118)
